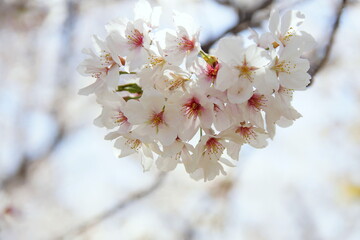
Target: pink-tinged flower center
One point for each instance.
(106, 63)
(212, 70)
(282, 66)
(246, 71)
(157, 119)
(283, 90)
(106, 58)
(120, 118)
(246, 132)
(288, 35)
(134, 144)
(192, 108)
(176, 82)
(136, 38)
(213, 146)
(186, 44)
(257, 101)
(156, 60)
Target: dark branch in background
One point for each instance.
(113, 210)
(321, 59)
(244, 21)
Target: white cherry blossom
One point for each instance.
(182, 45)
(153, 116)
(102, 65)
(239, 69)
(129, 144)
(160, 93)
(208, 158)
(112, 114)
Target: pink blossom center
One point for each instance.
(257, 101)
(134, 144)
(213, 146)
(186, 44)
(246, 71)
(212, 70)
(246, 132)
(192, 108)
(283, 66)
(120, 118)
(157, 119)
(136, 38)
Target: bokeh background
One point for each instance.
(60, 180)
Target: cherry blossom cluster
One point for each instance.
(167, 100)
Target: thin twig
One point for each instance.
(244, 22)
(322, 60)
(113, 210)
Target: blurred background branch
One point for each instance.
(321, 56)
(132, 199)
(244, 21)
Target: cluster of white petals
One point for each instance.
(165, 99)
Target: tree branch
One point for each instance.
(244, 22)
(321, 61)
(82, 228)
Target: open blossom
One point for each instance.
(284, 29)
(102, 65)
(112, 114)
(183, 45)
(174, 79)
(289, 69)
(164, 99)
(222, 111)
(174, 154)
(153, 116)
(242, 67)
(131, 40)
(195, 111)
(247, 133)
(207, 72)
(209, 158)
(153, 70)
(130, 143)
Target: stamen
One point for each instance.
(186, 44)
(176, 82)
(282, 67)
(192, 108)
(136, 38)
(288, 35)
(157, 119)
(246, 71)
(134, 144)
(213, 146)
(212, 70)
(120, 118)
(257, 101)
(246, 132)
